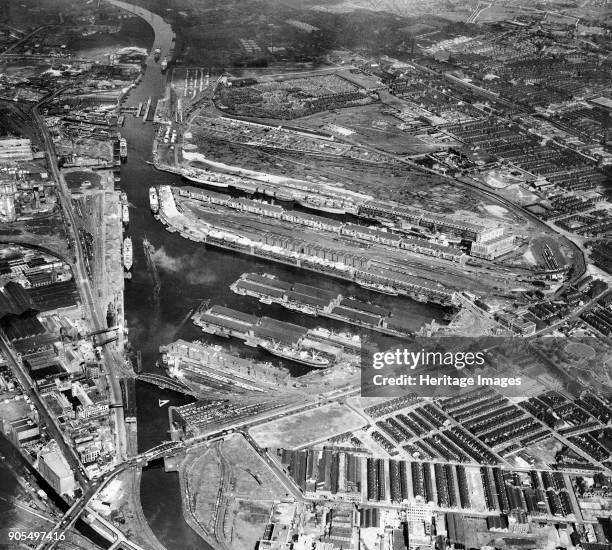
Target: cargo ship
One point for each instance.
(204, 178)
(299, 356)
(123, 148)
(375, 287)
(323, 204)
(153, 200)
(127, 253)
(125, 215)
(157, 54)
(345, 339)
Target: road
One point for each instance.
(74, 512)
(91, 307)
(22, 40)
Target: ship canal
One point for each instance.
(172, 277)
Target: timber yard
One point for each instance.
(224, 223)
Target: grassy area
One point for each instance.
(249, 519)
(307, 427)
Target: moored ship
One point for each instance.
(153, 200)
(204, 178)
(125, 215)
(323, 204)
(123, 148)
(164, 64)
(293, 354)
(379, 288)
(157, 54)
(127, 253)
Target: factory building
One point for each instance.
(517, 324)
(433, 249)
(15, 150)
(91, 404)
(493, 248)
(312, 220)
(418, 217)
(88, 448)
(23, 430)
(55, 469)
(261, 208)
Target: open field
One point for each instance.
(305, 428)
(370, 125)
(249, 518)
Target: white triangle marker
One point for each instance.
(163, 402)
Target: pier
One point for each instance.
(318, 302)
(317, 347)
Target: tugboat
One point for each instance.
(157, 54)
(125, 215)
(164, 65)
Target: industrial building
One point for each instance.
(493, 248)
(55, 469)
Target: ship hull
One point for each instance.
(296, 359)
(127, 254)
(208, 183)
(153, 200)
(381, 290)
(321, 207)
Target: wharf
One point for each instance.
(315, 196)
(265, 332)
(318, 302)
(323, 253)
